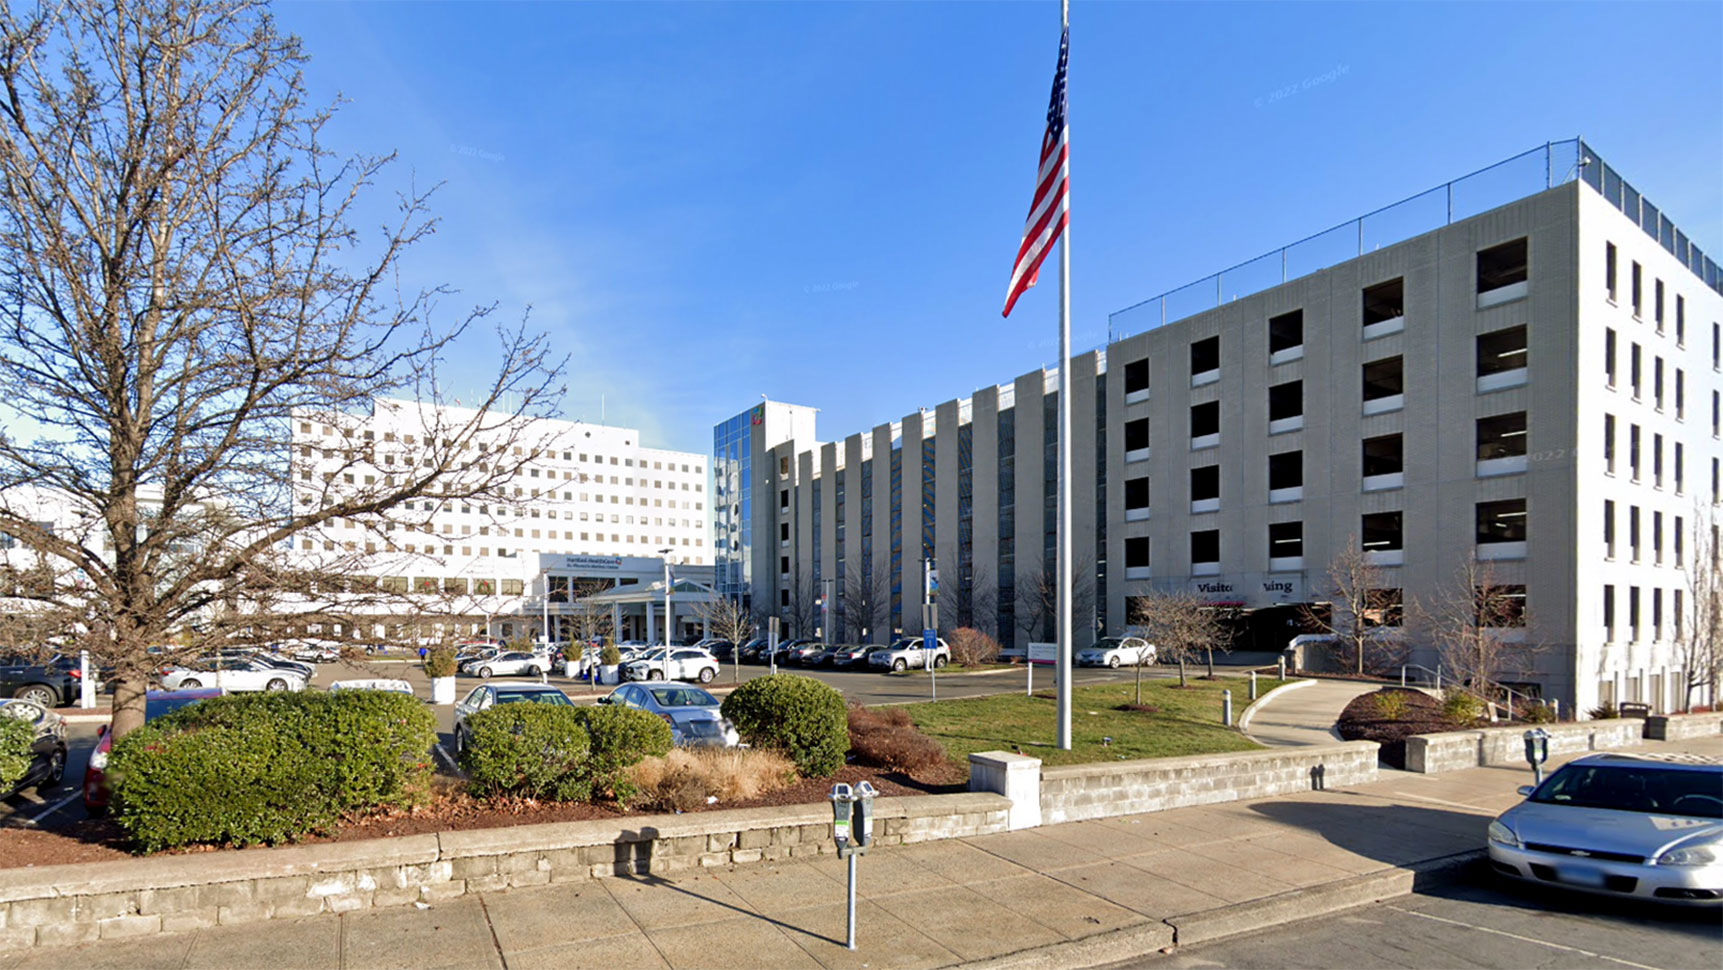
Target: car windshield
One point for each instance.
(683, 697)
(532, 697)
(1111, 643)
(1635, 788)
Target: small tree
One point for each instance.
(1699, 618)
(1179, 624)
(728, 619)
(589, 620)
(1356, 599)
(1479, 625)
(867, 597)
(973, 604)
(1037, 610)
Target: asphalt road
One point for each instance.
(1479, 921)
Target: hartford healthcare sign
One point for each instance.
(600, 565)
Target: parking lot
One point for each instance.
(61, 805)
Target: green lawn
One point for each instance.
(1187, 722)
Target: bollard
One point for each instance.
(86, 681)
(1282, 668)
(1555, 708)
(1226, 707)
(1253, 685)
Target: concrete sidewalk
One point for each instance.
(1304, 715)
(1072, 895)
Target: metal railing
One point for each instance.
(1435, 675)
(1525, 174)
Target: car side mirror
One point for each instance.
(604, 700)
(1526, 790)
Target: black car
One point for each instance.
(48, 682)
(751, 651)
(721, 649)
(807, 653)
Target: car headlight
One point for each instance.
(1692, 855)
(99, 761)
(1502, 835)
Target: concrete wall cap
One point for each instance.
(1209, 762)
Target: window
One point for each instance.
(1716, 346)
(1384, 455)
(1633, 368)
(1609, 443)
(1384, 379)
(1137, 493)
(1609, 268)
(1286, 400)
(1205, 546)
(1286, 470)
(1608, 611)
(1137, 376)
(1136, 435)
(1286, 331)
(1609, 528)
(1502, 436)
(1609, 355)
(1632, 613)
(1205, 420)
(1501, 350)
(1385, 301)
(1503, 521)
(1657, 538)
(1205, 355)
(1137, 552)
(1502, 265)
(784, 532)
(1680, 394)
(1716, 413)
(1657, 303)
(1680, 320)
(1285, 540)
(1680, 461)
(1677, 540)
(1657, 461)
(1633, 532)
(1633, 451)
(1205, 483)
(1657, 383)
(1638, 290)
(1381, 531)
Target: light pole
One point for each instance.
(669, 625)
(544, 602)
(826, 608)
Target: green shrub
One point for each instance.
(1603, 712)
(800, 716)
(269, 767)
(621, 738)
(610, 656)
(440, 662)
(1537, 714)
(16, 736)
(531, 750)
(1391, 705)
(1461, 707)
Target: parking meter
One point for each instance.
(861, 820)
(1537, 751)
(852, 829)
(843, 797)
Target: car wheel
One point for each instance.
(192, 684)
(275, 683)
(56, 769)
(655, 675)
(899, 665)
(706, 675)
(940, 661)
(485, 672)
(460, 743)
(38, 694)
(1113, 662)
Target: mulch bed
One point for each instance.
(451, 809)
(1361, 721)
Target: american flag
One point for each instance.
(1050, 210)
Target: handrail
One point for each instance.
(1437, 673)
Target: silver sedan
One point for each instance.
(1620, 825)
(693, 714)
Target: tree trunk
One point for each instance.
(1210, 653)
(1139, 682)
(129, 693)
(1182, 672)
(1359, 644)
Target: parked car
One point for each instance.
(466, 661)
(749, 651)
(721, 649)
(311, 651)
(1117, 652)
(298, 666)
(854, 654)
(510, 664)
(908, 652)
(48, 749)
(684, 663)
(156, 703)
(806, 653)
(485, 696)
(692, 713)
(38, 680)
(375, 683)
(234, 674)
(1619, 825)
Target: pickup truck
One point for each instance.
(908, 652)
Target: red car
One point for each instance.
(156, 703)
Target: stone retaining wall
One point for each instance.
(52, 905)
(1072, 792)
(1455, 750)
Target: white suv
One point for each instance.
(909, 652)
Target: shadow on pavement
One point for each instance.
(1479, 884)
(1391, 834)
(633, 861)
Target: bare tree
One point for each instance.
(974, 604)
(1180, 625)
(1038, 596)
(867, 602)
(182, 280)
(729, 620)
(589, 620)
(803, 611)
(1699, 618)
(1481, 628)
(1358, 604)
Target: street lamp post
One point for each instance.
(669, 625)
(826, 608)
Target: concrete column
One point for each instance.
(616, 620)
(651, 624)
(1015, 776)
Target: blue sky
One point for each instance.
(703, 203)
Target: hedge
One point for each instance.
(800, 716)
(559, 752)
(269, 767)
(16, 738)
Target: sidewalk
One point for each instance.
(1079, 894)
(1305, 715)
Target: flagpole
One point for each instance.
(1063, 663)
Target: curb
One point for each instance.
(1250, 712)
(1237, 919)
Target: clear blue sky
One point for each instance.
(704, 203)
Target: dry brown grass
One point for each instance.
(886, 737)
(688, 778)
